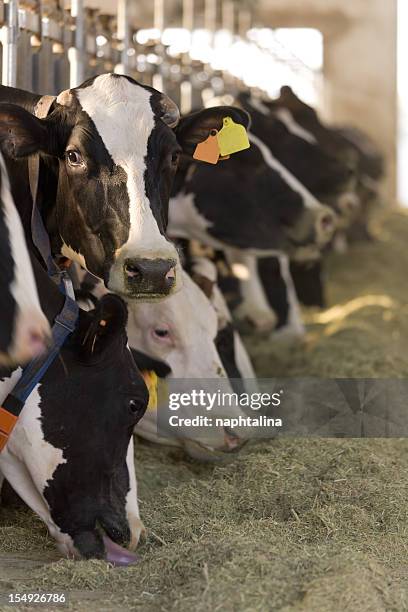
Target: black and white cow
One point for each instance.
(108, 154)
(70, 455)
(187, 337)
(249, 207)
(24, 330)
(323, 162)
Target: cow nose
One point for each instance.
(325, 225)
(150, 277)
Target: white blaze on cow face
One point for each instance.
(123, 115)
(31, 329)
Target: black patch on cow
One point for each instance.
(145, 362)
(309, 283)
(225, 346)
(274, 288)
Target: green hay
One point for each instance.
(293, 525)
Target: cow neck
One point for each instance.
(39, 234)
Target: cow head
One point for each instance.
(183, 333)
(76, 470)
(112, 148)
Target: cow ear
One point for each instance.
(196, 127)
(145, 362)
(107, 320)
(21, 133)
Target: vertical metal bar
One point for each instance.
(244, 21)
(210, 15)
(123, 35)
(188, 15)
(228, 16)
(9, 40)
(77, 53)
(158, 20)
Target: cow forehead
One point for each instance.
(122, 113)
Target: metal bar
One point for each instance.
(188, 15)
(228, 16)
(210, 15)
(158, 21)
(9, 40)
(244, 21)
(77, 54)
(123, 35)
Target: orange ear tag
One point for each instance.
(232, 137)
(208, 151)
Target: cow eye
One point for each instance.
(133, 405)
(74, 158)
(161, 333)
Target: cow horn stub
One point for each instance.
(170, 112)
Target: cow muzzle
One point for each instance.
(149, 278)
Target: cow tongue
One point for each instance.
(117, 555)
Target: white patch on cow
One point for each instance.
(185, 221)
(191, 323)
(69, 252)
(30, 327)
(124, 118)
(29, 462)
(259, 106)
(308, 199)
(254, 306)
(294, 323)
(132, 505)
(284, 115)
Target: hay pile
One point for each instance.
(290, 525)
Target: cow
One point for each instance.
(24, 329)
(108, 152)
(249, 207)
(329, 172)
(70, 455)
(348, 145)
(187, 337)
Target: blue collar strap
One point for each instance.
(64, 325)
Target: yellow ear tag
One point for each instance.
(151, 380)
(208, 151)
(232, 137)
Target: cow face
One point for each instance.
(114, 155)
(24, 330)
(182, 332)
(75, 471)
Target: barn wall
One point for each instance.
(360, 62)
